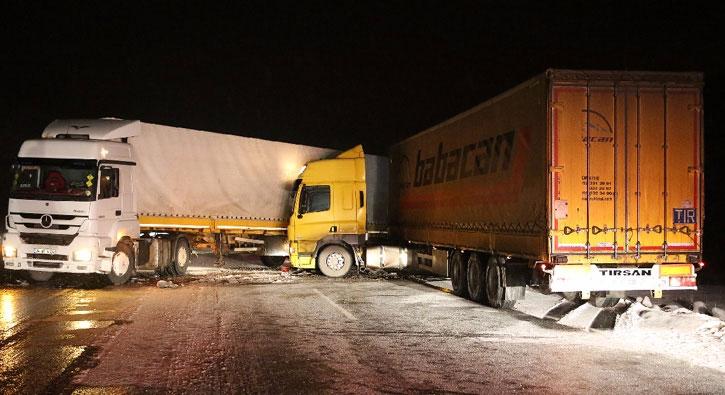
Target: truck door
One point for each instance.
(314, 216)
(108, 207)
(626, 170)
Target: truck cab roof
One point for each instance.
(77, 149)
(110, 129)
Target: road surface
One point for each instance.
(308, 334)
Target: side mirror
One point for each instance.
(299, 216)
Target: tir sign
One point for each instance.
(684, 215)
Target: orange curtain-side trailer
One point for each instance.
(593, 177)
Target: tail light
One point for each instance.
(699, 266)
(684, 281)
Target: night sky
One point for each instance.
(337, 73)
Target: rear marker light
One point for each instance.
(688, 281)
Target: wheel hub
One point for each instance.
(335, 261)
(181, 257)
(120, 264)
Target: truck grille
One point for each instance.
(52, 257)
(55, 216)
(49, 239)
(49, 265)
(38, 226)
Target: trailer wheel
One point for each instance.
(272, 261)
(459, 275)
(182, 257)
(572, 296)
(40, 277)
(603, 301)
(495, 290)
(123, 264)
(476, 278)
(334, 261)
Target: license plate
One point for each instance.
(48, 251)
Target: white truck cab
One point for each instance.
(72, 201)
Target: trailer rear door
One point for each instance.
(626, 173)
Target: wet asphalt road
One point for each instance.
(304, 335)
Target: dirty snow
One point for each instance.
(248, 277)
(166, 284)
(675, 331)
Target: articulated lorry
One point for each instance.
(586, 183)
(115, 196)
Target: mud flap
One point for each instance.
(514, 293)
(515, 276)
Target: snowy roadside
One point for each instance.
(675, 331)
(663, 327)
(640, 325)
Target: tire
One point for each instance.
(335, 261)
(39, 277)
(123, 264)
(459, 274)
(573, 296)
(476, 278)
(182, 257)
(495, 290)
(603, 301)
(272, 261)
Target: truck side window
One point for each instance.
(314, 199)
(108, 185)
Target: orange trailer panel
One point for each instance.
(627, 162)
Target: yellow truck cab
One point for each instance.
(337, 206)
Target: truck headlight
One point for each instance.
(9, 252)
(83, 255)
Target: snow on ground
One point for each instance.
(675, 331)
(244, 269)
(660, 326)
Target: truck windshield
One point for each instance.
(53, 179)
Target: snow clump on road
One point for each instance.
(675, 331)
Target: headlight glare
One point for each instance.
(82, 255)
(9, 252)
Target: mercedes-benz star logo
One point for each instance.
(46, 221)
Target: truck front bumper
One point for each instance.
(56, 258)
(573, 278)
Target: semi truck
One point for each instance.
(115, 196)
(585, 183)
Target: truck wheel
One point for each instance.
(459, 275)
(272, 261)
(182, 257)
(572, 296)
(40, 277)
(122, 265)
(495, 290)
(475, 278)
(603, 301)
(334, 261)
